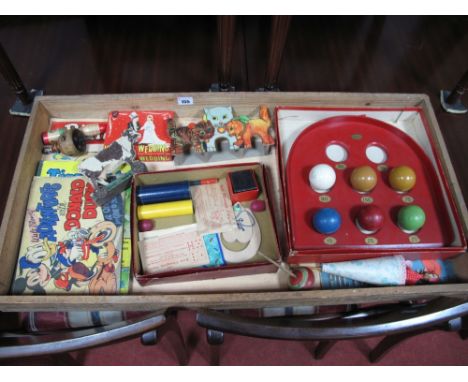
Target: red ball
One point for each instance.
(145, 225)
(258, 205)
(370, 218)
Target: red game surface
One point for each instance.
(356, 133)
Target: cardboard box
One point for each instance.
(401, 135)
(269, 242)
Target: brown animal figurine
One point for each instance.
(194, 135)
(243, 129)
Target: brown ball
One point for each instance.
(363, 179)
(402, 178)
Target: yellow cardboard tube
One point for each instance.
(164, 210)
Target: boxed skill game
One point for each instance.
(212, 222)
(372, 186)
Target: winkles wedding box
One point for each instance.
(254, 292)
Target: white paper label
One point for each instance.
(185, 100)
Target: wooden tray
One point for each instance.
(98, 107)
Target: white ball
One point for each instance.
(322, 177)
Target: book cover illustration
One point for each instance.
(150, 128)
(56, 156)
(125, 271)
(57, 168)
(69, 244)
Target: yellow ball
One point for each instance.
(402, 178)
(363, 179)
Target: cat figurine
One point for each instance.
(244, 129)
(194, 135)
(219, 117)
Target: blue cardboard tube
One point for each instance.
(159, 193)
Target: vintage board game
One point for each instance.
(345, 198)
(69, 244)
(194, 250)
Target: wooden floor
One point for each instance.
(77, 55)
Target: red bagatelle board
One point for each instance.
(355, 134)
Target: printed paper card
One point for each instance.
(147, 129)
(179, 251)
(213, 207)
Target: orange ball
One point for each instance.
(402, 178)
(363, 179)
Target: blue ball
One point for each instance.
(326, 221)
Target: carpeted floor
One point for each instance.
(433, 348)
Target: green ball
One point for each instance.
(411, 218)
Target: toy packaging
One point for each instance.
(384, 271)
(188, 224)
(358, 187)
(69, 244)
(149, 132)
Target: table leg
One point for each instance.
(452, 101)
(226, 34)
(279, 33)
(24, 98)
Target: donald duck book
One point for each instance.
(69, 244)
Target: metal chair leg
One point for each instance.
(323, 348)
(214, 338)
(170, 330)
